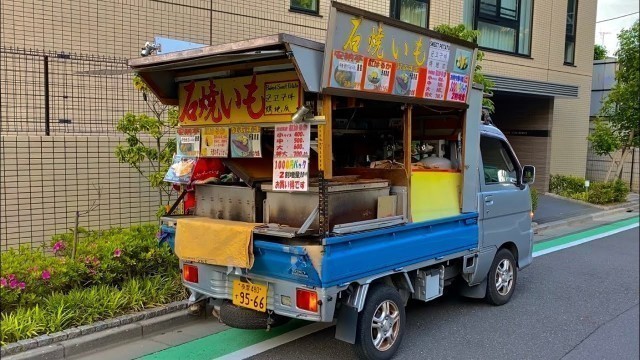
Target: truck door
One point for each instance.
(504, 205)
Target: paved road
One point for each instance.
(553, 209)
(578, 303)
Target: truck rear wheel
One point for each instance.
(381, 324)
(242, 318)
(501, 281)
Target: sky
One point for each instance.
(607, 31)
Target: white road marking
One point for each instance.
(276, 341)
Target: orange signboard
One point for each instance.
(259, 98)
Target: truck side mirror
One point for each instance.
(528, 174)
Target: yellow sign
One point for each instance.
(215, 142)
(260, 98)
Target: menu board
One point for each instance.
(292, 140)
(188, 141)
(291, 157)
(215, 142)
(368, 53)
(246, 142)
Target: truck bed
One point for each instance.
(343, 259)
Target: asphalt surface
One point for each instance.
(554, 209)
(578, 303)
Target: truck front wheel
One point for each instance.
(501, 281)
(381, 324)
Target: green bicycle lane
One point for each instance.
(234, 341)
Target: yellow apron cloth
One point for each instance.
(215, 242)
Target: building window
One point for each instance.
(570, 37)
(504, 25)
(306, 6)
(414, 12)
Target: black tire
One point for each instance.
(501, 294)
(243, 318)
(365, 346)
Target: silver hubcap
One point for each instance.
(385, 325)
(504, 277)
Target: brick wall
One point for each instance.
(46, 179)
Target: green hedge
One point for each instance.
(87, 305)
(107, 257)
(600, 193)
(115, 271)
(534, 199)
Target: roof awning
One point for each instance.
(540, 88)
(275, 52)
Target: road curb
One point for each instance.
(582, 219)
(86, 338)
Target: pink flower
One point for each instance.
(46, 275)
(11, 277)
(13, 283)
(3, 282)
(22, 285)
(58, 246)
(117, 253)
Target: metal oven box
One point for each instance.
(348, 203)
(229, 202)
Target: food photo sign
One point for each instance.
(371, 54)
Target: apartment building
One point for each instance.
(63, 77)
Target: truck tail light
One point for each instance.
(307, 300)
(190, 273)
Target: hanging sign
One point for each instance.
(368, 53)
(292, 140)
(458, 87)
(291, 174)
(259, 98)
(246, 142)
(215, 142)
(188, 141)
(181, 169)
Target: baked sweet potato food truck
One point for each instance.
(363, 175)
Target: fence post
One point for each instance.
(633, 163)
(47, 114)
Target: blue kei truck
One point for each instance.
(358, 174)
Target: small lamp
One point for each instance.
(300, 115)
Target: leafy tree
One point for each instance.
(617, 126)
(599, 52)
(149, 142)
(462, 32)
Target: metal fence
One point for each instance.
(58, 116)
(48, 93)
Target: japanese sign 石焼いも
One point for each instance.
(258, 98)
(215, 142)
(291, 174)
(292, 140)
(245, 142)
(367, 53)
(188, 141)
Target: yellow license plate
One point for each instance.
(252, 296)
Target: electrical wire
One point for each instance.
(617, 17)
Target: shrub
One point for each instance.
(566, 184)
(534, 199)
(87, 305)
(107, 257)
(602, 193)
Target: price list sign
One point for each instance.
(291, 157)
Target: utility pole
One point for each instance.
(602, 34)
